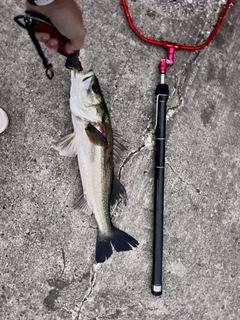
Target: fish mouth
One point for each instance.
(87, 79)
(88, 75)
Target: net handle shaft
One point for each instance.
(161, 103)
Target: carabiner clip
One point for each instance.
(29, 26)
(33, 21)
(49, 71)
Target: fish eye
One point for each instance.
(96, 89)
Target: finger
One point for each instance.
(75, 44)
(52, 44)
(42, 36)
(53, 49)
(69, 47)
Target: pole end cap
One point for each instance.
(157, 290)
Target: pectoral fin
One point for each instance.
(67, 146)
(95, 136)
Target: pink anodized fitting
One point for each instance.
(167, 62)
(170, 59)
(163, 66)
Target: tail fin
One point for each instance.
(120, 240)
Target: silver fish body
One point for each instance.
(92, 142)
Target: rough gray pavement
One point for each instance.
(47, 268)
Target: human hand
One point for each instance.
(66, 16)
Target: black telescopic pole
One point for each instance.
(162, 94)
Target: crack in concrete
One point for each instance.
(179, 85)
(172, 110)
(125, 161)
(128, 158)
(89, 291)
(184, 181)
(64, 261)
(147, 135)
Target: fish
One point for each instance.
(92, 143)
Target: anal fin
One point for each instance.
(82, 205)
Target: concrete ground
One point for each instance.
(47, 247)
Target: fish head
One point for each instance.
(86, 100)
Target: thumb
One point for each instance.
(69, 47)
(73, 45)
